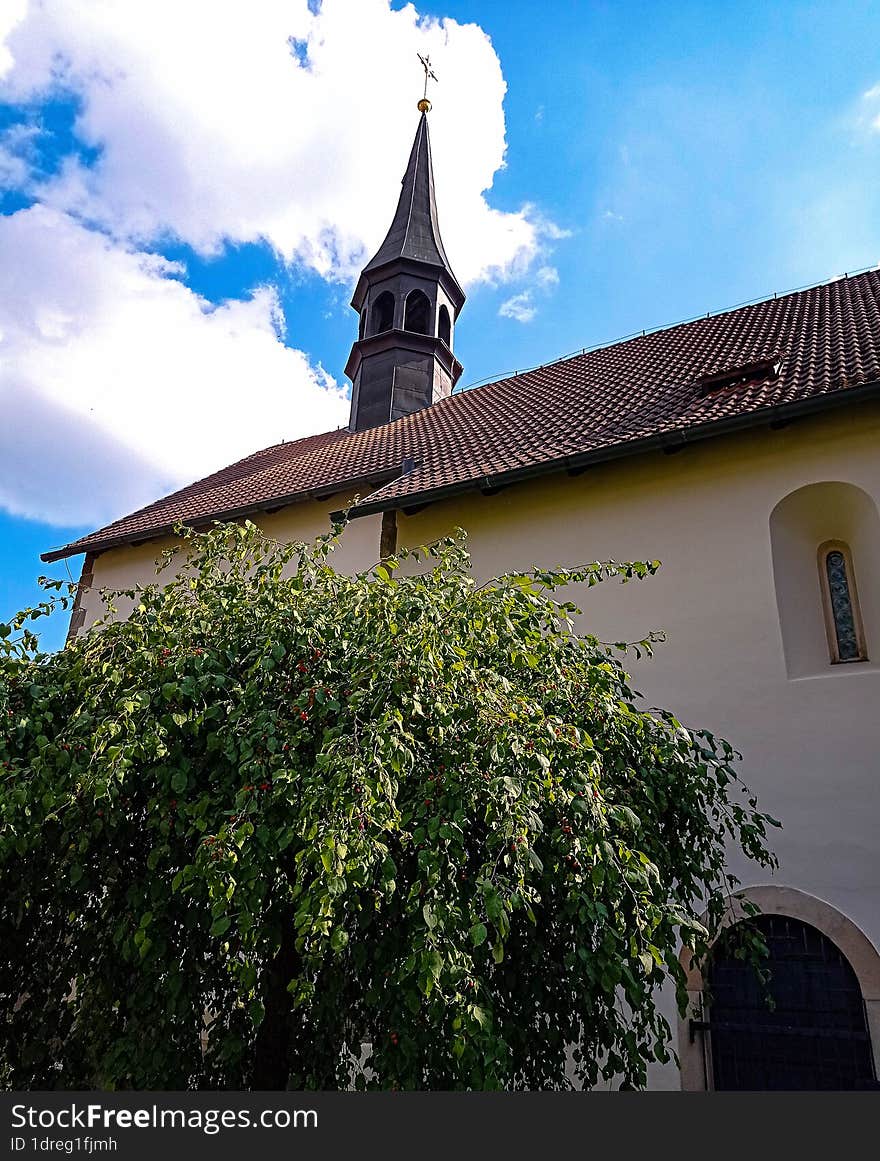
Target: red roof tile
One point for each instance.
(825, 342)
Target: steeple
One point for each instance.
(415, 232)
(408, 299)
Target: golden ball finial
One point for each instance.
(424, 105)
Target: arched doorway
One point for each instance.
(804, 1029)
(813, 946)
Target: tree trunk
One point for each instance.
(272, 1044)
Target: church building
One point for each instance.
(743, 451)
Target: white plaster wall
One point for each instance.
(121, 568)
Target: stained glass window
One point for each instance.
(846, 644)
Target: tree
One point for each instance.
(279, 826)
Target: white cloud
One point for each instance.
(13, 169)
(212, 128)
(118, 383)
(214, 122)
(16, 152)
(871, 99)
(12, 12)
(520, 307)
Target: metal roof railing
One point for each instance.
(499, 375)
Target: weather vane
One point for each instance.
(425, 104)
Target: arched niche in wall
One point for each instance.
(861, 958)
(444, 326)
(802, 526)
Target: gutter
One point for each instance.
(670, 441)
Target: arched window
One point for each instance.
(804, 1029)
(843, 622)
(804, 526)
(383, 313)
(418, 312)
(444, 327)
(362, 325)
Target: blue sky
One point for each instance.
(662, 160)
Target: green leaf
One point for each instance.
(339, 939)
(478, 934)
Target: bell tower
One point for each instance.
(408, 301)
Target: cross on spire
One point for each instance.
(424, 103)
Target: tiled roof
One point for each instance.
(818, 347)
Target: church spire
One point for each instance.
(415, 231)
(408, 299)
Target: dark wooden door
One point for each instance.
(814, 1037)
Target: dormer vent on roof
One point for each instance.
(740, 375)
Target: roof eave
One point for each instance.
(271, 504)
(401, 339)
(666, 441)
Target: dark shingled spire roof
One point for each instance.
(415, 233)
